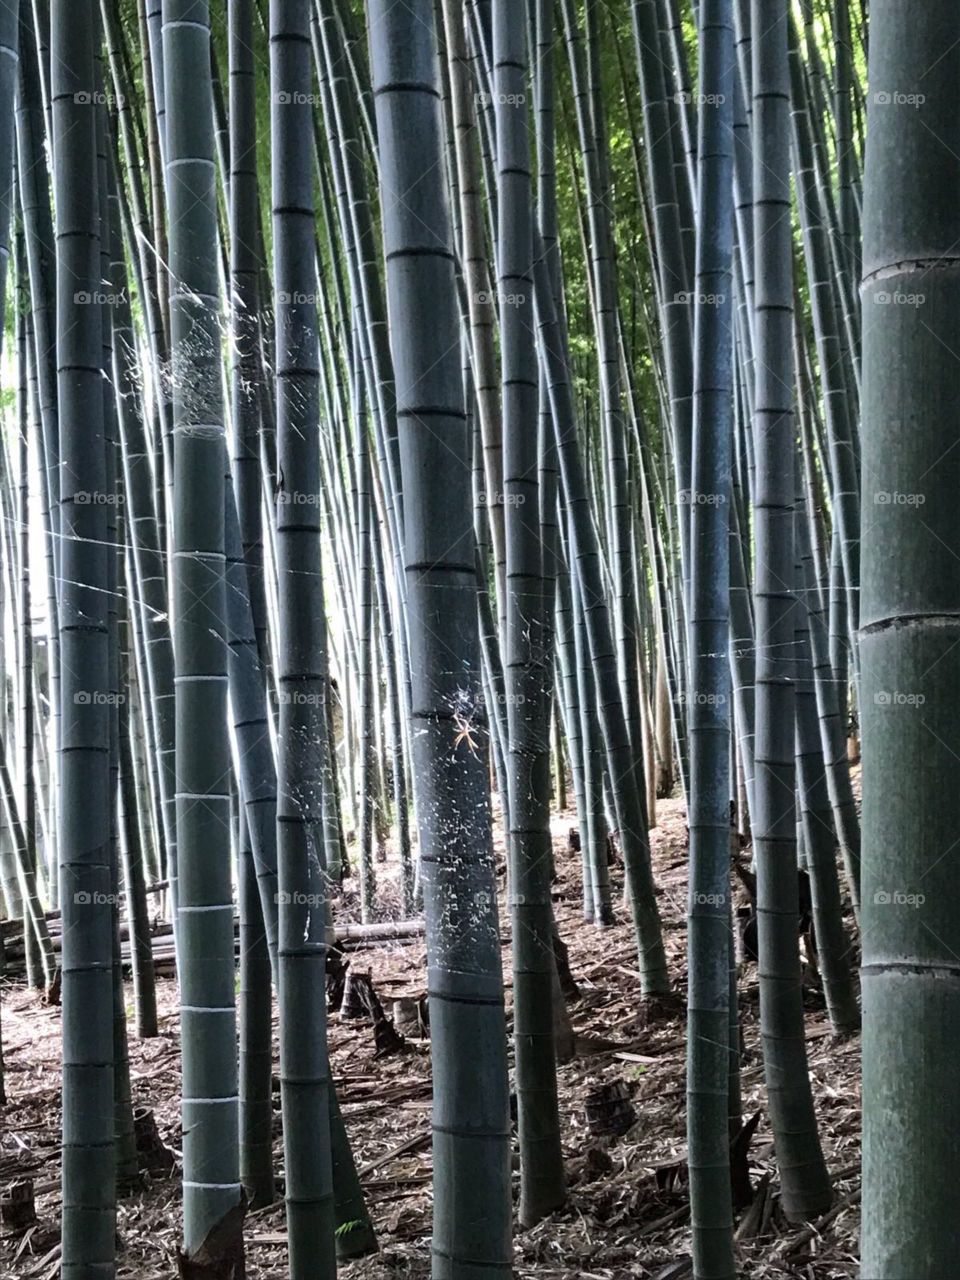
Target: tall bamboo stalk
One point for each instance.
(805, 1185)
(301, 661)
(200, 874)
(471, 1224)
(89, 1161)
(527, 666)
(911, 665)
(708, 1045)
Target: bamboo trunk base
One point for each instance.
(17, 1208)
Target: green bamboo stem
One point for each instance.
(805, 1185)
(200, 874)
(911, 1188)
(301, 661)
(89, 1160)
(471, 1120)
(709, 912)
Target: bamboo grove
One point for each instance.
(412, 411)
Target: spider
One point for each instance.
(465, 733)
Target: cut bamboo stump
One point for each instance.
(337, 969)
(608, 1109)
(360, 1001)
(354, 1007)
(17, 1208)
(151, 1152)
(411, 1015)
(386, 1038)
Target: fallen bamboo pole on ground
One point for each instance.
(348, 935)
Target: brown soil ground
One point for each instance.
(627, 1214)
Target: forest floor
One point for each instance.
(628, 1210)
